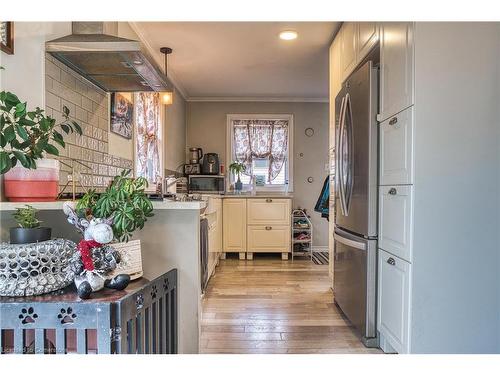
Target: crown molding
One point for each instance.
(154, 55)
(255, 99)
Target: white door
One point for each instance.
(395, 220)
(396, 149)
(367, 37)
(348, 49)
(394, 300)
(396, 68)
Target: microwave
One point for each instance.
(206, 184)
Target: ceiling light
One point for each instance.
(288, 35)
(168, 96)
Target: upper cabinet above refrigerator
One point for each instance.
(396, 68)
(356, 40)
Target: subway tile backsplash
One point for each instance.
(89, 107)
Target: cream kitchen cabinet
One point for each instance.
(268, 239)
(394, 275)
(356, 40)
(213, 213)
(268, 211)
(368, 36)
(234, 213)
(335, 86)
(348, 48)
(396, 149)
(269, 226)
(396, 68)
(257, 225)
(395, 220)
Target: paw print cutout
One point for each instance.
(28, 315)
(154, 292)
(166, 284)
(139, 301)
(67, 316)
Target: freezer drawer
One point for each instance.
(355, 280)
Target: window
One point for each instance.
(263, 144)
(148, 140)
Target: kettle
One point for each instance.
(195, 155)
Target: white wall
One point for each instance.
(175, 132)
(24, 72)
(457, 184)
(206, 128)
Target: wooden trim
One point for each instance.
(9, 47)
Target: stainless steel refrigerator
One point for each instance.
(356, 200)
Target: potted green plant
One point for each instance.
(26, 137)
(237, 169)
(127, 206)
(29, 229)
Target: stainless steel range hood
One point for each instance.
(114, 64)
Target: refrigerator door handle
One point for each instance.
(350, 165)
(339, 172)
(350, 243)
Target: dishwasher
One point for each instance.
(203, 253)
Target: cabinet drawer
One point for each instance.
(396, 214)
(396, 149)
(270, 238)
(268, 211)
(394, 300)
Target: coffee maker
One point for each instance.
(210, 164)
(194, 166)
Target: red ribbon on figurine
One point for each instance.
(84, 246)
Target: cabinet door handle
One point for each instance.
(393, 121)
(269, 228)
(391, 261)
(393, 191)
(269, 200)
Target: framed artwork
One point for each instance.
(122, 114)
(7, 37)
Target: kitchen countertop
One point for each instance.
(258, 195)
(57, 205)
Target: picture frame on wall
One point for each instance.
(7, 37)
(122, 114)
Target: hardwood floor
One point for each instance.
(272, 306)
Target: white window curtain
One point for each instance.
(148, 137)
(259, 139)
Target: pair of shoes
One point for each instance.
(302, 236)
(300, 226)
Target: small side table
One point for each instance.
(140, 319)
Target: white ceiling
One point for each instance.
(236, 60)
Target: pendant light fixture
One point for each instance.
(167, 97)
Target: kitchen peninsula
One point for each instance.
(170, 239)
